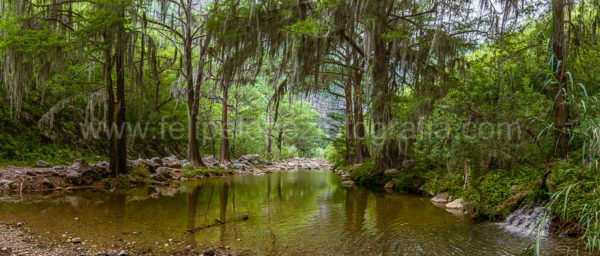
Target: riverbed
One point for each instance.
(285, 213)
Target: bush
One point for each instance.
(363, 175)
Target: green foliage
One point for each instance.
(363, 175)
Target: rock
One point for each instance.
(456, 204)
(123, 253)
(253, 158)
(76, 240)
(239, 166)
(80, 165)
(156, 161)
(391, 171)
(389, 184)
(347, 183)
(171, 162)
(345, 176)
(58, 168)
(6, 182)
(42, 163)
(74, 176)
(162, 173)
(440, 198)
(511, 203)
(47, 183)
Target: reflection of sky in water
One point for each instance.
(291, 213)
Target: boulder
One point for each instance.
(456, 204)
(74, 176)
(347, 183)
(4, 182)
(156, 161)
(252, 158)
(42, 163)
(239, 166)
(440, 198)
(80, 166)
(171, 162)
(391, 171)
(162, 173)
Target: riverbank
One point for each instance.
(495, 197)
(17, 239)
(155, 171)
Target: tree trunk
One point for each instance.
(120, 108)
(361, 150)
(381, 95)
(193, 153)
(561, 115)
(110, 116)
(224, 137)
(350, 146)
(279, 141)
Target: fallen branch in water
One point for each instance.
(216, 223)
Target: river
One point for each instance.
(288, 213)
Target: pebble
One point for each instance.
(166, 245)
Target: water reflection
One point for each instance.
(308, 213)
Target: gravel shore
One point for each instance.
(17, 239)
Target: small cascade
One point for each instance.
(525, 221)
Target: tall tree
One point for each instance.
(559, 50)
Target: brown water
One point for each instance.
(290, 213)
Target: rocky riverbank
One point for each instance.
(155, 171)
(17, 239)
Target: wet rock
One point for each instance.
(42, 163)
(456, 204)
(440, 198)
(391, 171)
(348, 183)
